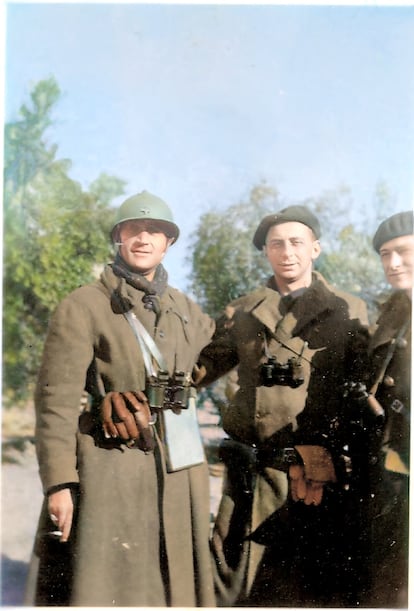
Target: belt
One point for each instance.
(253, 456)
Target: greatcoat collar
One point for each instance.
(316, 299)
(395, 312)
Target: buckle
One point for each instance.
(397, 406)
(289, 456)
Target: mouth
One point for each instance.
(397, 274)
(288, 266)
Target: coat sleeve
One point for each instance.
(68, 351)
(205, 327)
(221, 355)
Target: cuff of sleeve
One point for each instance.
(52, 489)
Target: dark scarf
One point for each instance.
(286, 301)
(153, 289)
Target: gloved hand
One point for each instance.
(127, 415)
(307, 480)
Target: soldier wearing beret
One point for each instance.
(125, 520)
(390, 351)
(287, 529)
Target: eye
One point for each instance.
(148, 226)
(273, 244)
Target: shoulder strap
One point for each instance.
(148, 347)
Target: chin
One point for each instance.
(291, 278)
(141, 269)
(401, 286)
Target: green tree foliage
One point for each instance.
(54, 234)
(224, 262)
(348, 260)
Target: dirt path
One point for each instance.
(20, 504)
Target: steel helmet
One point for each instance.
(149, 207)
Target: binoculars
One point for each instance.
(164, 392)
(273, 373)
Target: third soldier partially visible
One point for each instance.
(390, 351)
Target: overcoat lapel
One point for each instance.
(397, 309)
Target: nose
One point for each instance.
(287, 249)
(394, 260)
(142, 236)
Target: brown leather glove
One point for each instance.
(127, 415)
(307, 480)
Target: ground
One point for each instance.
(22, 493)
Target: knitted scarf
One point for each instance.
(153, 289)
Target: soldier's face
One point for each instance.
(143, 246)
(397, 258)
(291, 249)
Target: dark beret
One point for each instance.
(395, 226)
(298, 214)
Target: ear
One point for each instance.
(316, 249)
(168, 243)
(116, 236)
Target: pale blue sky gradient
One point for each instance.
(197, 103)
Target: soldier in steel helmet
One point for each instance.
(287, 528)
(390, 352)
(125, 520)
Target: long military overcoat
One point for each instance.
(390, 351)
(327, 329)
(140, 536)
(393, 331)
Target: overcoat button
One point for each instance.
(402, 342)
(389, 381)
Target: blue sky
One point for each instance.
(197, 103)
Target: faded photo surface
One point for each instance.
(207, 275)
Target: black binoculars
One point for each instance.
(164, 392)
(273, 373)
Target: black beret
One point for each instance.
(298, 214)
(395, 226)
